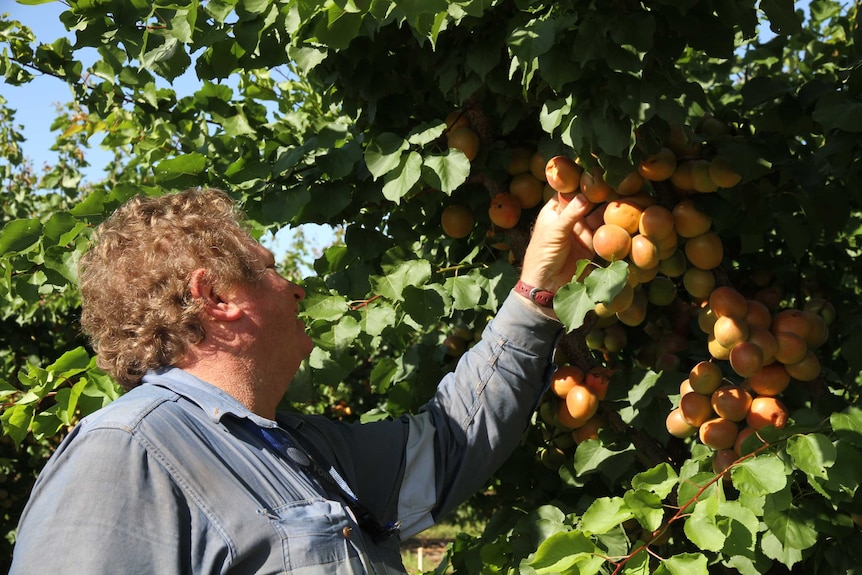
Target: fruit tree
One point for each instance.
(704, 416)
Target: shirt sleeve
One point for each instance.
(88, 514)
(416, 469)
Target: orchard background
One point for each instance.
(375, 117)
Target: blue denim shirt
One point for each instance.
(170, 477)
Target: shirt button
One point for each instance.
(347, 532)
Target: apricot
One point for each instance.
(722, 460)
(638, 275)
(706, 319)
(537, 167)
(790, 349)
(590, 429)
(565, 378)
(623, 213)
(822, 307)
(743, 447)
(721, 172)
(672, 266)
(519, 160)
(659, 166)
(456, 221)
(746, 358)
(594, 187)
(598, 379)
(715, 349)
(696, 408)
(563, 174)
(764, 339)
(729, 331)
(758, 314)
(656, 222)
(677, 426)
(621, 301)
(635, 314)
(454, 346)
(465, 139)
(552, 457)
(770, 296)
(631, 184)
(688, 221)
(698, 283)
(527, 189)
(457, 119)
(766, 410)
(681, 177)
(705, 251)
(505, 210)
(661, 291)
(581, 402)
(718, 433)
(616, 338)
(700, 178)
(818, 331)
(667, 246)
(611, 242)
(731, 402)
(705, 377)
(771, 380)
(566, 420)
(643, 252)
(806, 370)
(791, 320)
(685, 387)
(728, 301)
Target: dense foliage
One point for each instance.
(346, 112)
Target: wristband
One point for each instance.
(539, 296)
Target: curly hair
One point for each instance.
(134, 279)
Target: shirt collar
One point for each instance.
(214, 401)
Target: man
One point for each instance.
(193, 471)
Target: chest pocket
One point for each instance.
(316, 533)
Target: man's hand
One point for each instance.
(561, 236)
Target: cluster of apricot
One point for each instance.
(570, 410)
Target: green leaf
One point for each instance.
(701, 528)
(591, 456)
(345, 332)
(782, 16)
(813, 453)
(185, 165)
(18, 235)
(839, 111)
(604, 514)
(661, 480)
(376, 317)
(759, 475)
(426, 133)
(604, 284)
(425, 305)
(72, 362)
(848, 425)
(572, 304)
(399, 182)
(466, 293)
(411, 273)
(683, 564)
(324, 306)
(383, 153)
(446, 172)
(16, 420)
(562, 551)
(647, 507)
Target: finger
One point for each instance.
(578, 207)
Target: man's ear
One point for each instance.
(217, 308)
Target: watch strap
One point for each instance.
(540, 296)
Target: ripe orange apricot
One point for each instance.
(565, 378)
(818, 330)
(598, 379)
(635, 314)
(527, 189)
(681, 177)
(791, 348)
(638, 275)
(766, 410)
(611, 242)
(746, 358)
(806, 370)
(505, 210)
(643, 252)
(743, 447)
(698, 283)
(718, 433)
(620, 301)
(537, 167)
(565, 419)
(631, 184)
(700, 178)
(456, 119)
(456, 221)
(623, 213)
(728, 301)
(705, 251)
(685, 387)
(696, 408)
(582, 402)
(465, 139)
(771, 380)
(705, 377)
(519, 160)
(729, 330)
(594, 187)
(677, 425)
(722, 172)
(764, 339)
(758, 314)
(656, 221)
(731, 402)
(688, 221)
(667, 246)
(590, 429)
(563, 174)
(659, 166)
